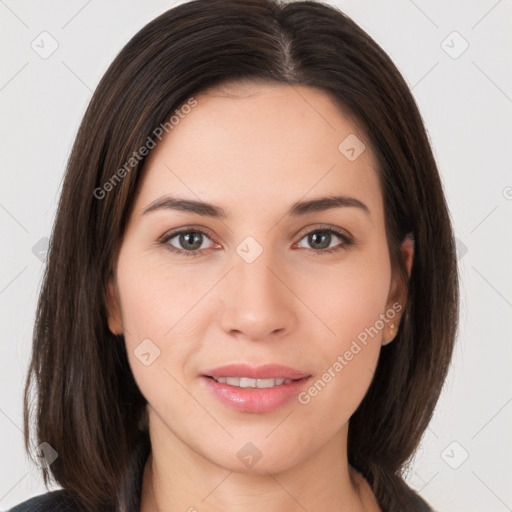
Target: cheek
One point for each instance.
(157, 308)
(351, 304)
(349, 299)
(162, 306)
(346, 360)
(157, 297)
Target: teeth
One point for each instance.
(245, 382)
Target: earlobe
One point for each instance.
(392, 333)
(398, 294)
(115, 323)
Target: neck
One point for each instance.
(178, 478)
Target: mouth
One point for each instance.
(246, 382)
(254, 389)
(248, 372)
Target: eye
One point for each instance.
(322, 238)
(190, 242)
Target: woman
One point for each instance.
(251, 291)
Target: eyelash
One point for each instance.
(347, 242)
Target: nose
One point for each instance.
(257, 301)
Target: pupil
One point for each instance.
(192, 240)
(316, 236)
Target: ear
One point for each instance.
(398, 291)
(115, 321)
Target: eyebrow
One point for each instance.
(298, 209)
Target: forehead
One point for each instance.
(256, 145)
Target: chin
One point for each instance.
(257, 456)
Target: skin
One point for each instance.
(255, 150)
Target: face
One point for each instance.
(256, 279)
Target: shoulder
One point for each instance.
(53, 501)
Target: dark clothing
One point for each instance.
(60, 501)
(53, 501)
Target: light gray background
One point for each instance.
(466, 103)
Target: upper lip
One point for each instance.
(266, 371)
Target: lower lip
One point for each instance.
(255, 399)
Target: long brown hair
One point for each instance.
(87, 405)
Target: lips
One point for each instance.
(267, 371)
(254, 390)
